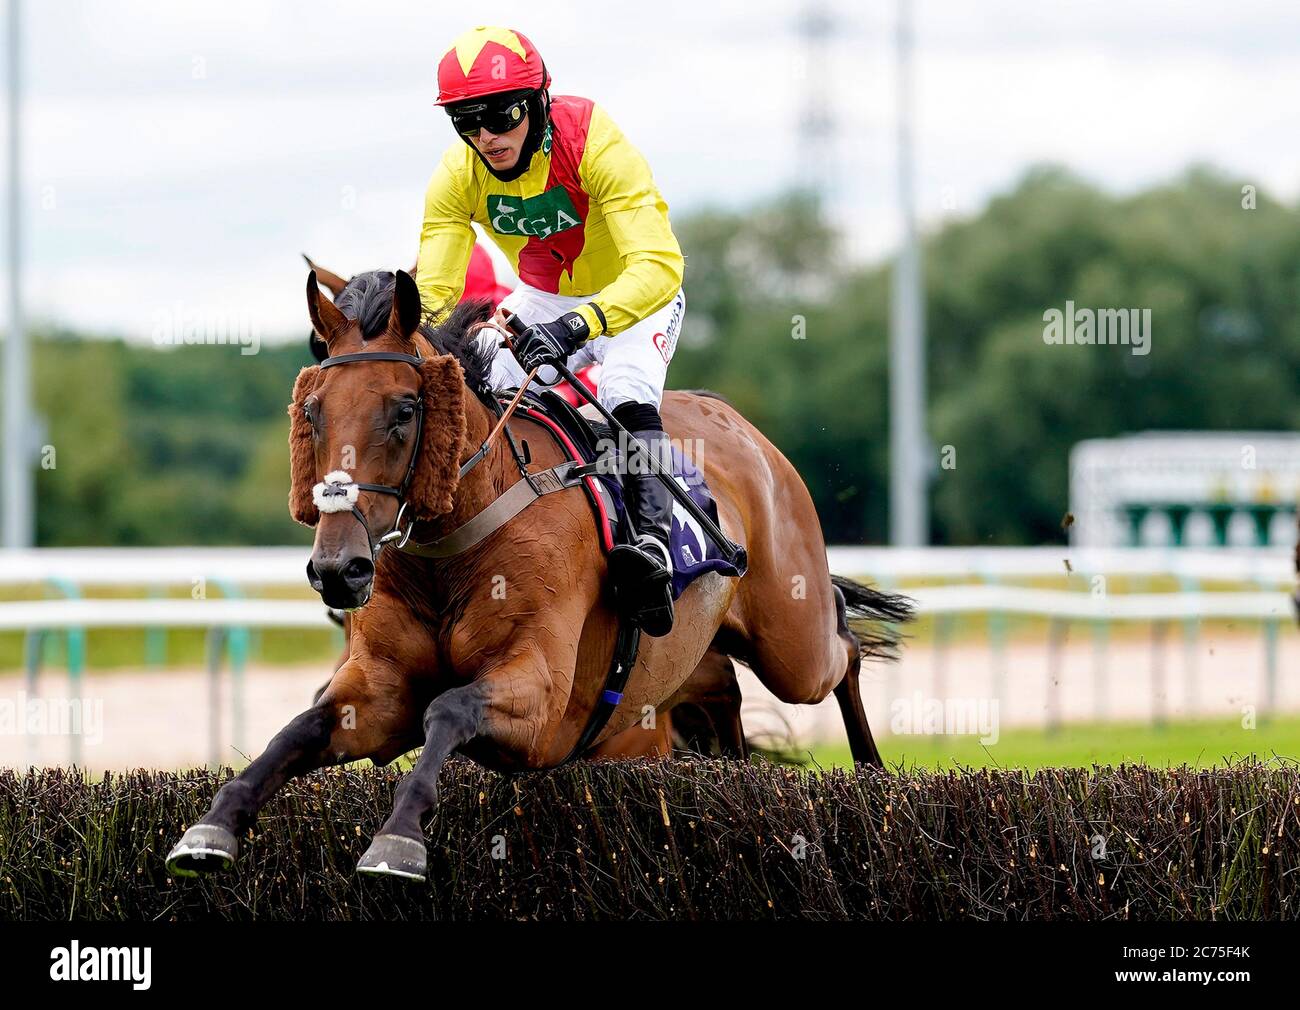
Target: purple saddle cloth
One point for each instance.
(694, 553)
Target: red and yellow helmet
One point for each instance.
(485, 61)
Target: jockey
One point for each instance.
(575, 208)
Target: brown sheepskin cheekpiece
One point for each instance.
(302, 454)
(442, 385)
(436, 475)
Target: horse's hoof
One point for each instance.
(395, 856)
(205, 848)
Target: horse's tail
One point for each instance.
(873, 616)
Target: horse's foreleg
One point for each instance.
(507, 706)
(398, 850)
(340, 727)
(213, 842)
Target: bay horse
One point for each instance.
(500, 651)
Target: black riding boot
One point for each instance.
(642, 570)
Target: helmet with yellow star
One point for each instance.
(492, 78)
(488, 61)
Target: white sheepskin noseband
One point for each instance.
(336, 493)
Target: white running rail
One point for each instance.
(973, 581)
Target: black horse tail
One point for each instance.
(872, 616)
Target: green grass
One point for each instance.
(1199, 744)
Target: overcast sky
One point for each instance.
(179, 156)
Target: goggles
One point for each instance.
(495, 117)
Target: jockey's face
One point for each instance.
(502, 149)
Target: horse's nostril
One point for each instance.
(357, 573)
(313, 577)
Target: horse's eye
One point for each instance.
(405, 413)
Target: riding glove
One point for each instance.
(548, 343)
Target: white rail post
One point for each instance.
(33, 656)
(1159, 688)
(216, 646)
(1191, 673)
(1058, 630)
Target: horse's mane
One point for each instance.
(368, 298)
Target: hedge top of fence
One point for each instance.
(690, 839)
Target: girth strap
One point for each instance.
(626, 647)
(518, 497)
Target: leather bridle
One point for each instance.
(335, 489)
(399, 536)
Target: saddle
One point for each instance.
(693, 553)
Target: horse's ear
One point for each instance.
(405, 317)
(442, 387)
(326, 319)
(302, 451)
(332, 281)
